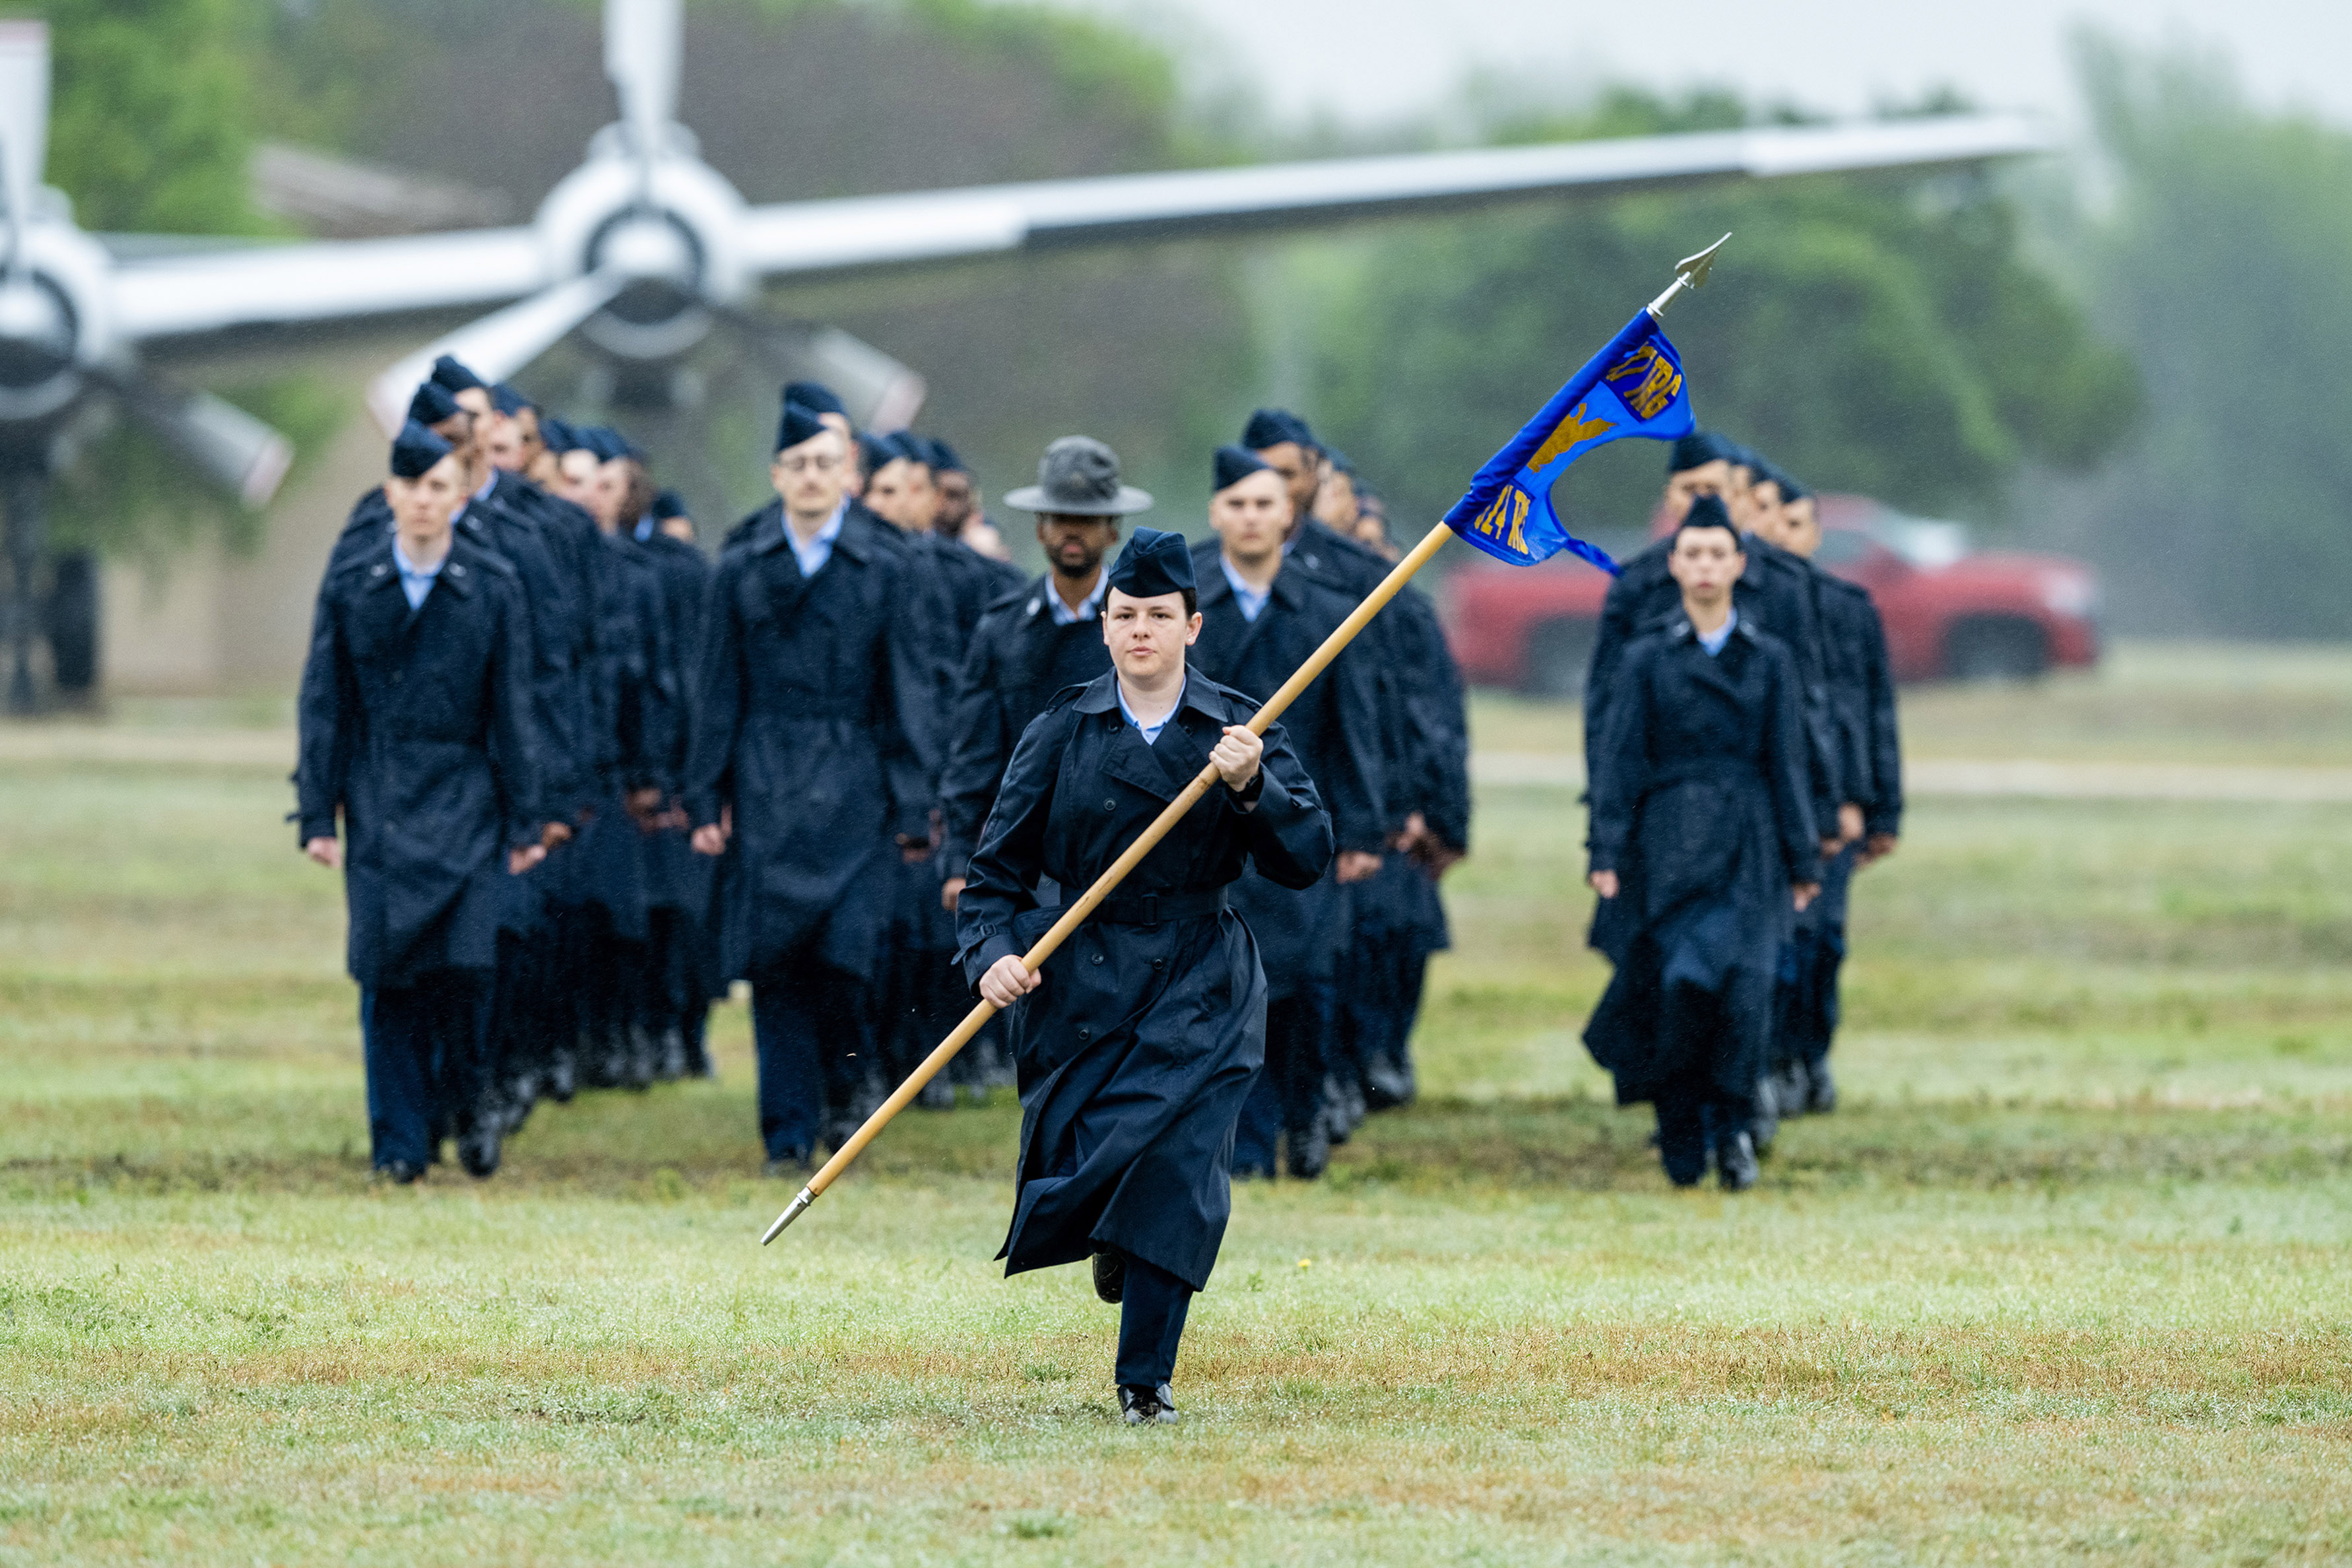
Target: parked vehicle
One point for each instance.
(1950, 614)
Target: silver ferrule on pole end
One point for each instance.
(1690, 272)
(792, 1211)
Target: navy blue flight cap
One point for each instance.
(415, 449)
(1271, 427)
(945, 459)
(432, 403)
(1791, 488)
(509, 401)
(607, 443)
(1234, 463)
(669, 504)
(1699, 448)
(557, 435)
(1708, 511)
(799, 423)
(816, 396)
(448, 372)
(1154, 562)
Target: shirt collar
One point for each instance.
(409, 569)
(1090, 608)
(1713, 641)
(1251, 600)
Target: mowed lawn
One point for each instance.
(2069, 1277)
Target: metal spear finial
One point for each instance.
(1690, 272)
(792, 1211)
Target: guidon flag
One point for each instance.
(1632, 387)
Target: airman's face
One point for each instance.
(808, 478)
(958, 499)
(1710, 479)
(421, 506)
(1801, 527)
(901, 491)
(1252, 518)
(1076, 545)
(1147, 636)
(1765, 517)
(505, 445)
(575, 478)
(1301, 472)
(1706, 561)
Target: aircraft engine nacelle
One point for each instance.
(54, 323)
(670, 225)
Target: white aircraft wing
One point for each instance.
(212, 289)
(806, 237)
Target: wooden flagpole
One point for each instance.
(1357, 619)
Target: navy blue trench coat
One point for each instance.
(808, 719)
(416, 724)
(1017, 658)
(1136, 1053)
(1700, 806)
(1778, 593)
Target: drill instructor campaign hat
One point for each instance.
(1079, 477)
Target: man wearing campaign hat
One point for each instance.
(810, 762)
(1136, 1042)
(1259, 622)
(417, 737)
(1039, 637)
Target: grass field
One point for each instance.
(2068, 1280)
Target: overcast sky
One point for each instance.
(1369, 61)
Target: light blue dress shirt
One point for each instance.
(1151, 731)
(1713, 641)
(415, 582)
(1090, 608)
(818, 551)
(1251, 600)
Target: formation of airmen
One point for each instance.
(1742, 754)
(580, 776)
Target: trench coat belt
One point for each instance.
(1713, 770)
(1150, 908)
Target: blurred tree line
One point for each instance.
(2140, 360)
(2210, 236)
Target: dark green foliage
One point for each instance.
(1876, 334)
(2222, 264)
(150, 122)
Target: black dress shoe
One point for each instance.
(1308, 1150)
(400, 1171)
(1821, 1089)
(478, 1149)
(673, 1054)
(1735, 1162)
(1140, 1405)
(563, 1078)
(1110, 1275)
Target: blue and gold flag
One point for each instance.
(1632, 387)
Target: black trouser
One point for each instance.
(1151, 1323)
(426, 1046)
(813, 1031)
(1288, 1095)
(1695, 1112)
(1693, 1117)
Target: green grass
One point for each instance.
(2068, 1280)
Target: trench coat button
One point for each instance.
(1109, 804)
(1098, 958)
(1085, 1034)
(1158, 965)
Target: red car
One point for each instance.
(1951, 615)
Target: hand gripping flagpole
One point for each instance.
(1689, 273)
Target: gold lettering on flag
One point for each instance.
(1660, 381)
(1505, 519)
